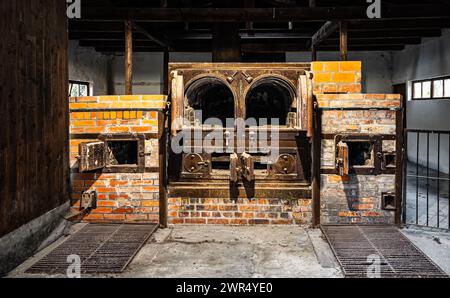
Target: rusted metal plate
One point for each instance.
(225, 189)
(91, 156)
(285, 164)
(359, 249)
(102, 248)
(342, 160)
(247, 167)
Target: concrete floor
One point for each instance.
(222, 251)
(235, 252)
(434, 243)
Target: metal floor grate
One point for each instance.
(398, 256)
(103, 248)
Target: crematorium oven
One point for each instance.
(239, 136)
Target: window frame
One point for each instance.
(79, 83)
(432, 92)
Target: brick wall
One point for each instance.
(239, 211)
(355, 198)
(337, 77)
(122, 197)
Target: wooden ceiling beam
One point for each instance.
(120, 49)
(288, 46)
(281, 14)
(369, 24)
(379, 34)
(164, 42)
(324, 32)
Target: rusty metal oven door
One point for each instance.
(229, 113)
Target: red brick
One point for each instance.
(93, 216)
(115, 216)
(281, 221)
(150, 203)
(136, 217)
(238, 221)
(123, 210)
(258, 221)
(118, 182)
(218, 221)
(176, 220)
(105, 189)
(195, 221)
(102, 210)
(104, 203)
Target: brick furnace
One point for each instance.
(248, 143)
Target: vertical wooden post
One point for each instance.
(163, 145)
(226, 42)
(343, 40)
(316, 165)
(400, 167)
(166, 72)
(313, 53)
(249, 4)
(128, 57)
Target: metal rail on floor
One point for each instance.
(378, 251)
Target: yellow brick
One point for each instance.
(86, 99)
(317, 66)
(350, 65)
(139, 114)
(113, 115)
(344, 77)
(322, 77)
(120, 114)
(106, 115)
(108, 98)
(153, 97)
(130, 98)
(118, 129)
(126, 115)
(86, 115)
(77, 115)
(149, 121)
(84, 123)
(74, 106)
(331, 66)
(132, 114)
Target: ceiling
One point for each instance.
(265, 26)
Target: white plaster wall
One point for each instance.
(148, 70)
(427, 60)
(87, 65)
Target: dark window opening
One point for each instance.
(388, 201)
(389, 160)
(122, 152)
(220, 161)
(213, 97)
(257, 161)
(270, 98)
(360, 153)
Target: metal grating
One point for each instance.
(103, 248)
(399, 257)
